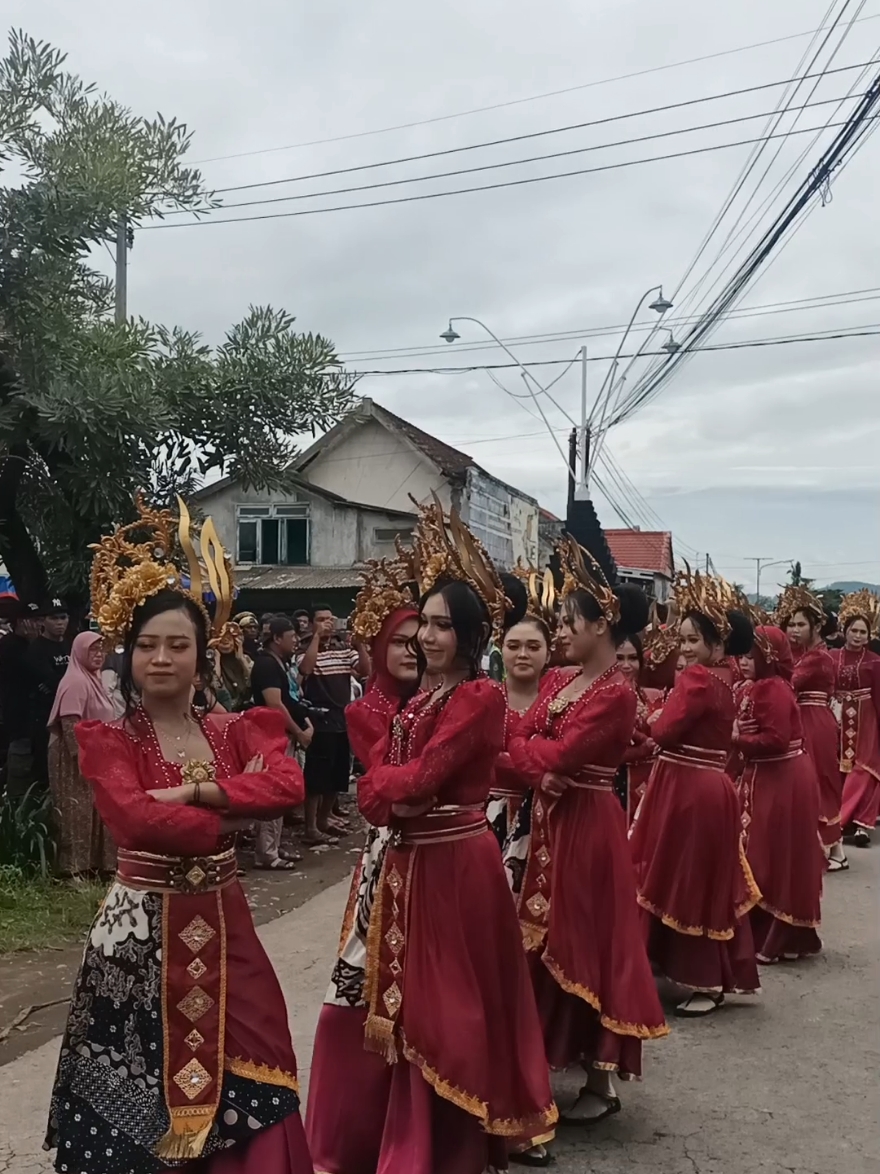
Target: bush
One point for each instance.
(26, 842)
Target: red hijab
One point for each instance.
(380, 679)
(772, 653)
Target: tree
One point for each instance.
(796, 578)
(91, 410)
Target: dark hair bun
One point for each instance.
(516, 591)
(742, 634)
(633, 610)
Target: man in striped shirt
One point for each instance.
(326, 670)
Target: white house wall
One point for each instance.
(376, 467)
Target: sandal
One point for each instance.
(691, 1008)
(316, 839)
(837, 865)
(279, 864)
(537, 1155)
(612, 1106)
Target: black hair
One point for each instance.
(742, 632)
(303, 612)
(316, 607)
(518, 596)
(266, 618)
(874, 645)
(157, 605)
(633, 610)
(636, 641)
(536, 622)
(470, 622)
(278, 626)
(848, 623)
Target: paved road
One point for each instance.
(783, 1085)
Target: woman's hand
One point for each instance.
(255, 765)
(554, 785)
(180, 796)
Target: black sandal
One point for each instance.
(684, 1011)
(530, 1158)
(612, 1107)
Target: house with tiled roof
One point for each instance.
(644, 557)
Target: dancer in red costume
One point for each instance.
(450, 1005)
(639, 757)
(342, 1142)
(694, 883)
(593, 984)
(857, 688)
(177, 1052)
(779, 792)
(801, 615)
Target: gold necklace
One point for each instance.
(181, 740)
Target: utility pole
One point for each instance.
(759, 562)
(582, 451)
(121, 269)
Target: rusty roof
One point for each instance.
(296, 578)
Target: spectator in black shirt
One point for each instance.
(15, 701)
(271, 687)
(47, 659)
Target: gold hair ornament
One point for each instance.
(861, 605)
(444, 548)
(386, 589)
(576, 576)
(152, 554)
(710, 596)
(661, 638)
(794, 599)
(543, 598)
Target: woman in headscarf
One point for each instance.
(779, 792)
(233, 667)
(83, 844)
(857, 684)
(336, 1136)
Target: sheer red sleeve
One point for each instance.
(270, 792)
(685, 705)
(772, 718)
(472, 722)
(366, 721)
(109, 759)
(606, 717)
(640, 748)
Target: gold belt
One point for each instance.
(175, 874)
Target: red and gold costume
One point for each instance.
(595, 992)
(639, 757)
(780, 801)
(857, 689)
(177, 1047)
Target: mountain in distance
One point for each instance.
(850, 585)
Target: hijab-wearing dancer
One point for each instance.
(450, 1005)
(801, 615)
(177, 1051)
(580, 924)
(639, 758)
(780, 804)
(694, 883)
(857, 688)
(387, 620)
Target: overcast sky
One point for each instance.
(763, 452)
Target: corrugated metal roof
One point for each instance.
(296, 578)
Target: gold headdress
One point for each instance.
(576, 576)
(862, 605)
(156, 553)
(711, 596)
(446, 549)
(385, 590)
(794, 599)
(661, 638)
(542, 594)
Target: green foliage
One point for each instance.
(26, 844)
(91, 410)
(796, 578)
(36, 913)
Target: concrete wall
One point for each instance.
(504, 521)
(340, 535)
(376, 467)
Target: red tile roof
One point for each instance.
(642, 550)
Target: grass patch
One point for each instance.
(37, 912)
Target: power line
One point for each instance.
(795, 305)
(466, 191)
(389, 183)
(517, 101)
(861, 332)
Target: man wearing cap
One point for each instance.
(15, 703)
(47, 660)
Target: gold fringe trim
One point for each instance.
(530, 1143)
(693, 931)
(261, 1073)
(379, 1038)
(539, 1123)
(635, 1030)
(533, 937)
(787, 917)
(755, 893)
(187, 1135)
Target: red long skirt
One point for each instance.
(861, 786)
(280, 1149)
(596, 995)
(693, 879)
(821, 741)
(780, 801)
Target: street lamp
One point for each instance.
(661, 304)
(671, 346)
(450, 335)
